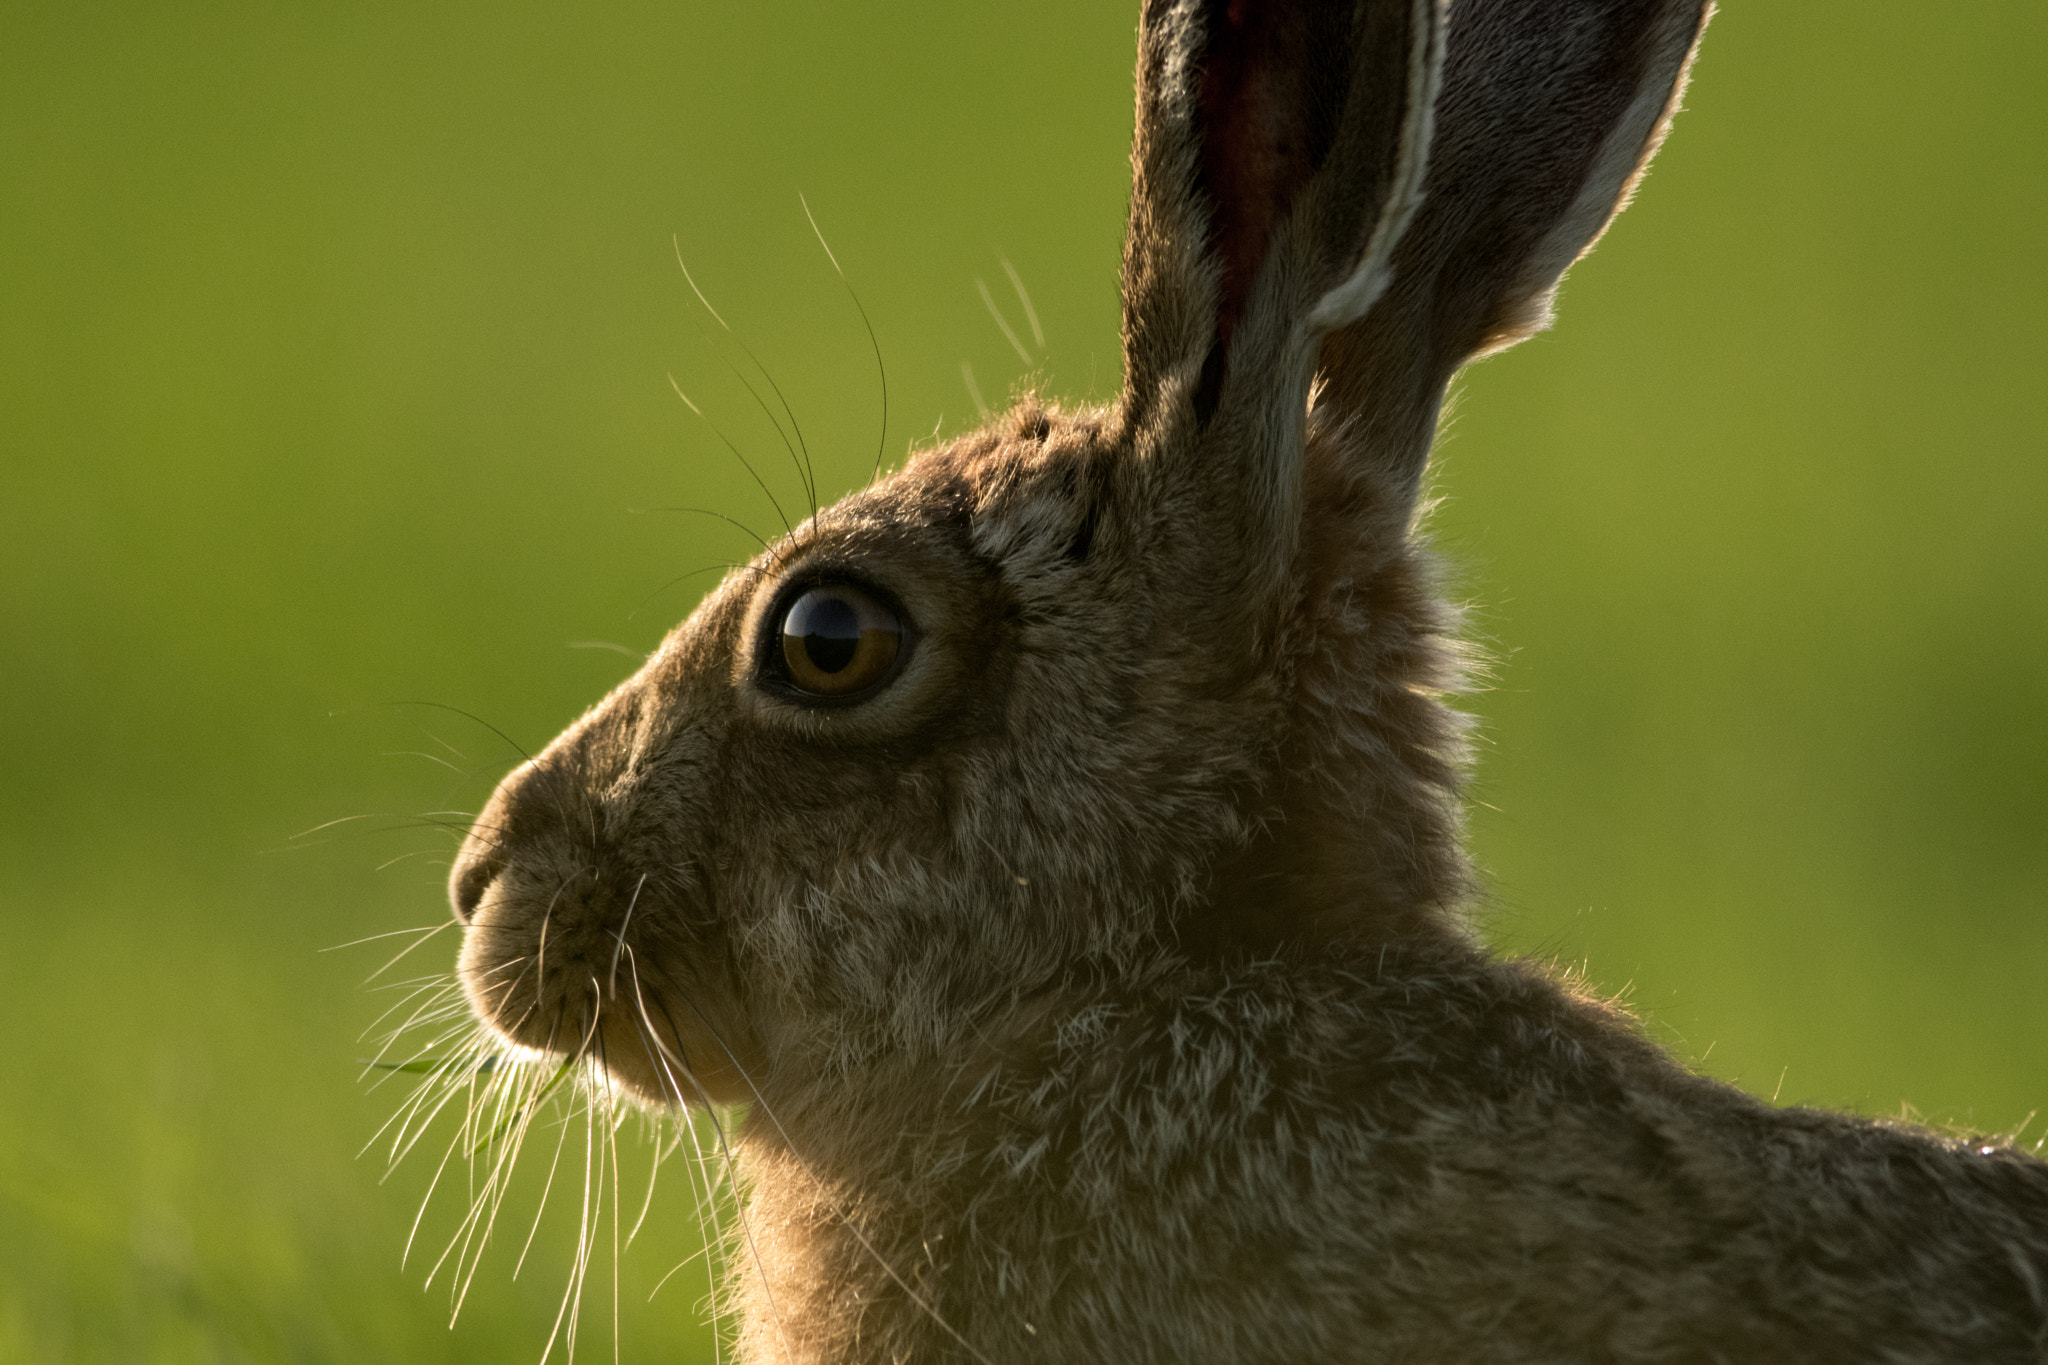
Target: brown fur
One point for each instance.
(1097, 986)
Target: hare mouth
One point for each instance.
(574, 1014)
(562, 978)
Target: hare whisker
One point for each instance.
(988, 301)
(483, 1114)
(420, 936)
(406, 983)
(725, 1151)
(422, 1118)
(718, 1131)
(523, 1098)
(973, 389)
(401, 1118)
(426, 733)
(625, 924)
(540, 969)
(408, 857)
(706, 1195)
(572, 1294)
(338, 821)
(804, 470)
(618, 1178)
(428, 929)
(439, 1005)
(663, 1147)
(881, 371)
(1023, 297)
(803, 458)
(438, 987)
(513, 744)
(427, 1199)
(432, 1015)
(547, 1189)
(431, 758)
(720, 516)
(745, 463)
(727, 567)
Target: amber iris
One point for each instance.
(837, 640)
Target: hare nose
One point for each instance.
(483, 854)
(474, 871)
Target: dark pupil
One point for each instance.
(831, 631)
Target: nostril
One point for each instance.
(485, 854)
(472, 877)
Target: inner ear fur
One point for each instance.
(1269, 145)
(1278, 145)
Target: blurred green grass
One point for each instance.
(335, 349)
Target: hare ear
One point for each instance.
(1549, 112)
(1243, 107)
(1279, 154)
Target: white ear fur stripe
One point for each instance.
(1618, 165)
(1348, 302)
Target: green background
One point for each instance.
(335, 358)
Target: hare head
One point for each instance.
(1086, 692)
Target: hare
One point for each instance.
(1055, 846)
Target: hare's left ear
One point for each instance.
(1380, 188)
(1280, 152)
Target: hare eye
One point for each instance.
(837, 640)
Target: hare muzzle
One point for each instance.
(576, 944)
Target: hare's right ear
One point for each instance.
(1279, 155)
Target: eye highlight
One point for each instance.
(839, 640)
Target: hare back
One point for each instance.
(1409, 1153)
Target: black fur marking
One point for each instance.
(1209, 392)
(1078, 547)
